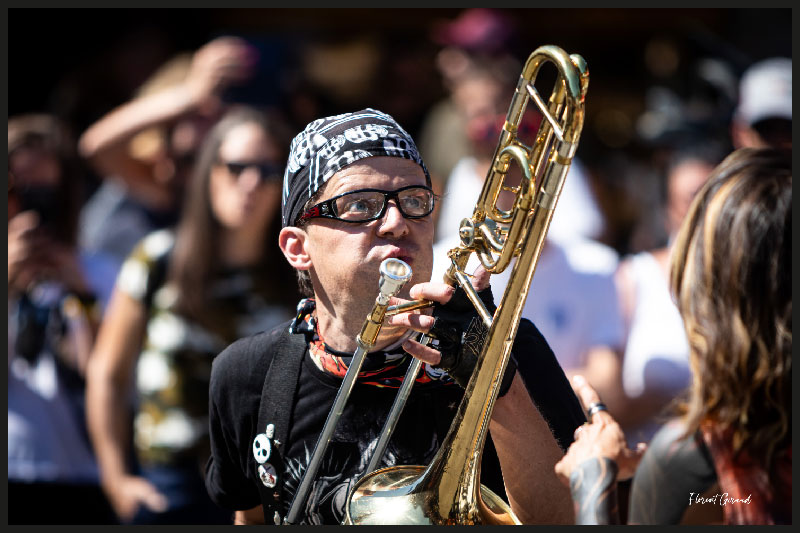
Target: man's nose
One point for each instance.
(393, 223)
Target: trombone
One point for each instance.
(394, 273)
(448, 490)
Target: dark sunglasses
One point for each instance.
(364, 205)
(266, 171)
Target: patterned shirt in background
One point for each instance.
(174, 366)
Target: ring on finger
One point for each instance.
(596, 407)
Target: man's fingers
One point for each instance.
(396, 300)
(429, 290)
(424, 353)
(415, 321)
(480, 278)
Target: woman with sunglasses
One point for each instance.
(181, 297)
(145, 149)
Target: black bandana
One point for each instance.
(329, 144)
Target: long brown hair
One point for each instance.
(731, 276)
(195, 258)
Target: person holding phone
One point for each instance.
(54, 302)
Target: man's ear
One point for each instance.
(292, 241)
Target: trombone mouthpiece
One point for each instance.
(394, 274)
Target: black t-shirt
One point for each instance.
(237, 379)
(421, 428)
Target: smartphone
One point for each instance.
(44, 201)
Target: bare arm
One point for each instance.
(593, 484)
(106, 143)
(528, 452)
(216, 65)
(526, 445)
(595, 460)
(133, 117)
(109, 377)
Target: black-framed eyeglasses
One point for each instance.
(364, 205)
(266, 171)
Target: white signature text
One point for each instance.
(721, 499)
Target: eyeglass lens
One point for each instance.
(365, 205)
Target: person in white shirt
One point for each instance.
(655, 365)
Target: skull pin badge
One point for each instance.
(262, 448)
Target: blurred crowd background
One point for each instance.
(132, 261)
(656, 74)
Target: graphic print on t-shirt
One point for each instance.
(415, 440)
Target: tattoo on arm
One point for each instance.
(594, 491)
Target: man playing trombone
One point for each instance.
(356, 193)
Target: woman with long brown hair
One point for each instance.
(181, 297)
(731, 446)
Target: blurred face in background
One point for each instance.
(171, 153)
(34, 178)
(34, 165)
(484, 101)
(683, 183)
(245, 181)
(479, 98)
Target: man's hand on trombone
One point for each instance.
(455, 328)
